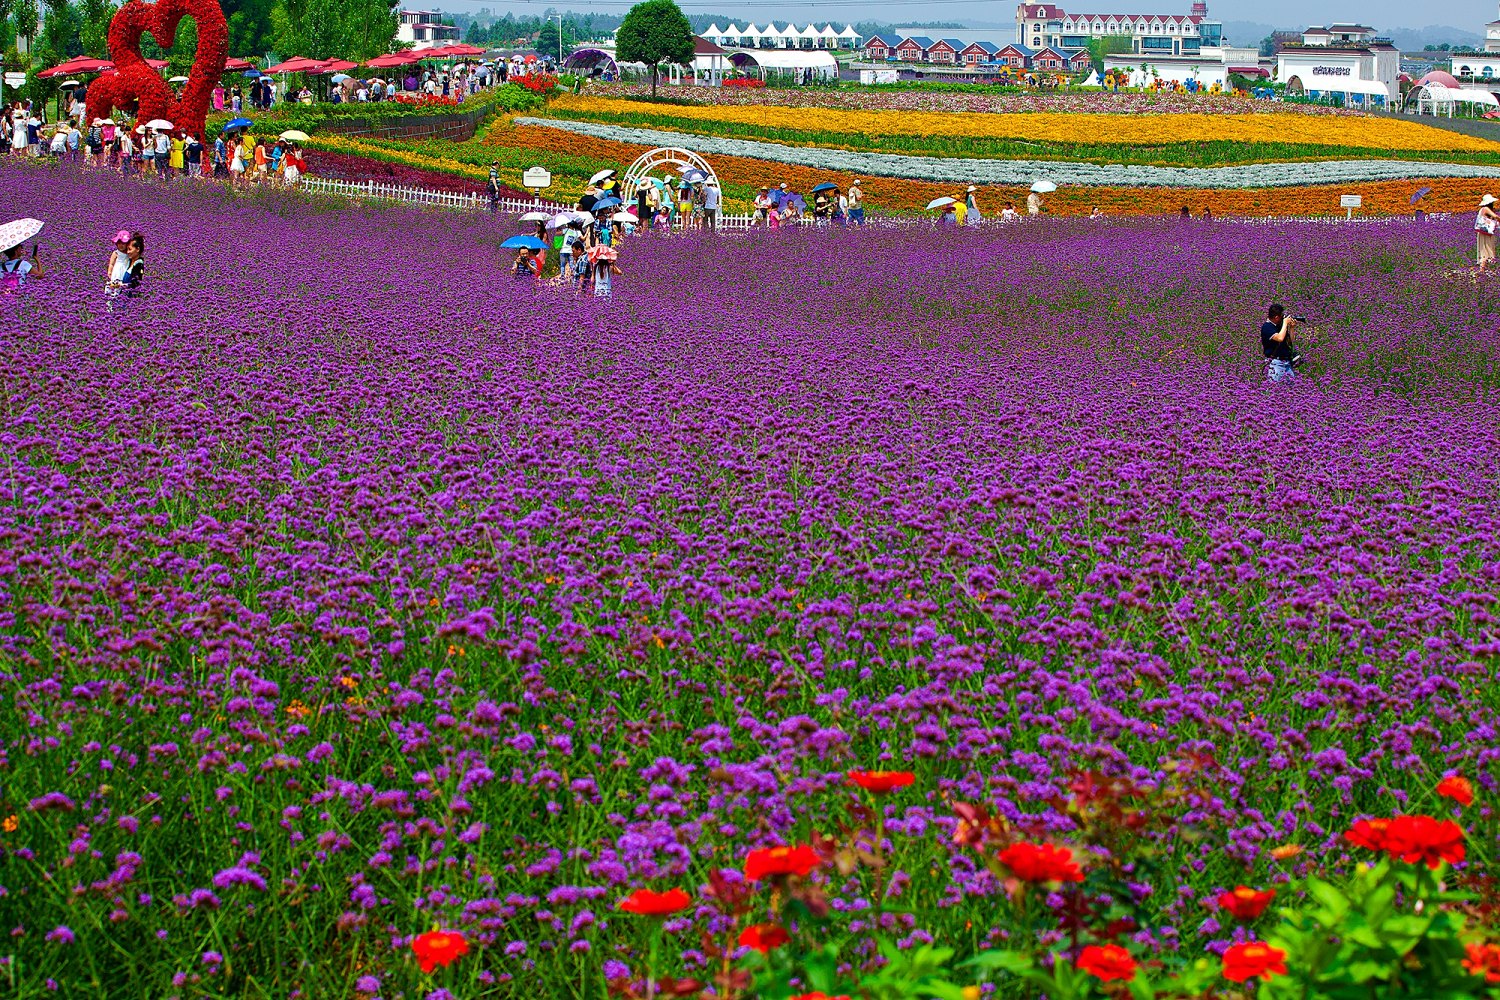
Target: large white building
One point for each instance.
(422, 29)
(1483, 67)
(1039, 24)
(1213, 64)
(1350, 63)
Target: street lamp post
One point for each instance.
(559, 40)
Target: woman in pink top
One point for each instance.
(219, 97)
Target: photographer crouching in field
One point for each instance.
(1276, 343)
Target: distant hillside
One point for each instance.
(1414, 39)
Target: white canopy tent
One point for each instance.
(1348, 86)
(1436, 99)
(803, 63)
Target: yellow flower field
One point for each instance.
(1364, 132)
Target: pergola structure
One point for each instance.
(668, 158)
(801, 62)
(1436, 99)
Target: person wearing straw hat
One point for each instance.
(972, 216)
(16, 268)
(1485, 224)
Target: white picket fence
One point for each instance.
(374, 191)
(371, 190)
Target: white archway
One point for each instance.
(678, 161)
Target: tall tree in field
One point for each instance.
(249, 26)
(24, 15)
(655, 32)
(95, 31)
(369, 26)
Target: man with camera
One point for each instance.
(1276, 343)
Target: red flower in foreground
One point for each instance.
(1109, 962)
(1041, 863)
(1368, 833)
(1457, 788)
(1245, 903)
(438, 948)
(1423, 839)
(881, 782)
(764, 938)
(656, 904)
(1246, 961)
(768, 862)
(819, 995)
(1484, 960)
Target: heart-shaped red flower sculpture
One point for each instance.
(135, 82)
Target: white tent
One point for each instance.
(732, 34)
(750, 36)
(1351, 87)
(714, 34)
(820, 65)
(828, 38)
(849, 38)
(809, 38)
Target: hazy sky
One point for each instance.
(1467, 14)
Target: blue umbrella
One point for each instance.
(825, 187)
(609, 202)
(251, 74)
(1421, 193)
(795, 200)
(235, 123)
(523, 243)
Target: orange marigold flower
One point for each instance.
(1369, 834)
(1041, 863)
(1285, 852)
(881, 782)
(1109, 962)
(1426, 840)
(769, 862)
(656, 904)
(11, 823)
(438, 948)
(1255, 958)
(1458, 788)
(1245, 903)
(764, 938)
(1484, 960)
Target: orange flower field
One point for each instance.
(741, 176)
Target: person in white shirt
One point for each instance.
(762, 207)
(1033, 204)
(856, 202)
(164, 155)
(59, 144)
(1009, 212)
(711, 205)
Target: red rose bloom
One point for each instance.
(881, 782)
(1368, 833)
(1109, 962)
(768, 862)
(656, 904)
(764, 938)
(1423, 839)
(1041, 863)
(438, 948)
(1256, 958)
(1245, 903)
(1457, 788)
(1484, 960)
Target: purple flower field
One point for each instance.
(350, 588)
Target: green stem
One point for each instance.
(651, 957)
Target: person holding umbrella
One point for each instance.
(16, 268)
(603, 259)
(1485, 224)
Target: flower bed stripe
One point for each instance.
(1014, 172)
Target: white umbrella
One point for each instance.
(160, 124)
(13, 234)
(559, 220)
(68, 83)
(1044, 187)
(581, 216)
(629, 217)
(295, 135)
(537, 217)
(602, 175)
(939, 202)
(178, 79)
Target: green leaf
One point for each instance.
(1335, 902)
(1006, 961)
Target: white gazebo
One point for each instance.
(1436, 99)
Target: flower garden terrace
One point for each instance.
(398, 599)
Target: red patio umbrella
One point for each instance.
(456, 49)
(156, 63)
(337, 66)
(392, 60)
(79, 64)
(296, 64)
(238, 65)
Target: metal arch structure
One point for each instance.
(679, 161)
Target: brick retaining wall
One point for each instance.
(455, 127)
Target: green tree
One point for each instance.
(655, 32)
(1107, 46)
(369, 27)
(94, 34)
(24, 16)
(548, 43)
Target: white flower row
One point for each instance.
(1022, 172)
